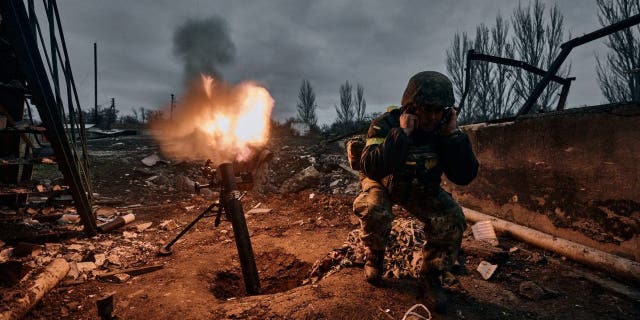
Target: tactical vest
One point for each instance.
(419, 175)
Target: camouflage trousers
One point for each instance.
(443, 221)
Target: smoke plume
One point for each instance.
(203, 45)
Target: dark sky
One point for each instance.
(378, 44)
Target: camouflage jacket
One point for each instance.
(392, 157)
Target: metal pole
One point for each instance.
(54, 58)
(537, 91)
(95, 82)
(233, 208)
(42, 96)
(172, 106)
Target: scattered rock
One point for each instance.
(99, 258)
(168, 225)
(185, 184)
(538, 258)
(53, 248)
(85, 267)
(69, 219)
(531, 290)
(141, 227)
(486, 269)
(75, 247)
(106, 212)
(74, 256)
(259, 211)
(23, 249)
(152, 160)
(114, 259)
(129, 235)
(121, 277)
(73, 272)
(306, 178)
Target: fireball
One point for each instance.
(217, 121)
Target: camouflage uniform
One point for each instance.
(404, 170)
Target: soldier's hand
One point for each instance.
(450, 126)
(408, 122)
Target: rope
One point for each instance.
(411, 312)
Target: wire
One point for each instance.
(410, 312)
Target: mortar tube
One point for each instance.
(233, 208)
(117, 222)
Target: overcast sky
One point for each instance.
(378, 44)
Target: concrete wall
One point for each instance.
(574, 174)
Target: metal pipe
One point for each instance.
(233, 208)
(95, 83)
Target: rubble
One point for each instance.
(183, 183)
(308, 177)
(486, 269)
(403, 257)
(38, 287)
(152, 160)
(259, 211)
(23, 249)
(168, 225)
(141, 227)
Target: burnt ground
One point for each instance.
(202, 278)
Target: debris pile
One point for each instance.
(403, 257)
(298, 168)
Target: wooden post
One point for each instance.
(42, 284)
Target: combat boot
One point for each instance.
(373, 266)
(431, 291)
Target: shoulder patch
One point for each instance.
(377, 140)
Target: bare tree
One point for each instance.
(360, 103)
(503, 99)
(537, 42)
(345, 110)
(143, 114)
(307, 104)
(497, 90)
(455, 68)
(619, 74)
(491, 93)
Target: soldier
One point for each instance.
(406, 152)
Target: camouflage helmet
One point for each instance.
(429, 88)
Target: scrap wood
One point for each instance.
(484, 250)
(131, 271)
(42, 284)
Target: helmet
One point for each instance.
(429, 88)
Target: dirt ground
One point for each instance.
(202, 278)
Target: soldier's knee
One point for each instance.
(373, 205)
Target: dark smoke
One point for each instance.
(203, 45)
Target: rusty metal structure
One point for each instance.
(548, 75)
(35, 70)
